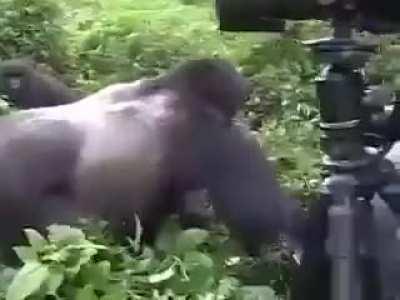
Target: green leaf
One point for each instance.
(6, 277)
(86, 255)
(197, 275)
(80, 258)
(97, 274)
(190, 239)
(26, 254)
(115, 291)
(166, 239)
(65, 234)
(142, 265)
(227, 286)
(201, 280)
(56, 256)
(86, 293)
(27, 281)
(113, 297)
(162, 276)
(54, 281)
(194, 259)
(138, 234)
(257, 293)
(36, 240)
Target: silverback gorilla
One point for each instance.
(28, 87)
(139, 148)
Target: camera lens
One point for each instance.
(388, 10)
(257, 14)
(267, 15)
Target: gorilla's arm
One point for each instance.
(242, 185)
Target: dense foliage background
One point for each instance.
(93, 43)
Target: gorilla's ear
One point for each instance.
(212, 81)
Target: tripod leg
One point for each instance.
(312, 279)
(369, 264)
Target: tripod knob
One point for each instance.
(378, 96)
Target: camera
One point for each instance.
(378, 16)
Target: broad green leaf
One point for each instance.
(142, 265)
(86, 293)
(54, 281)
(80, 258)
(36, 240)
(190, 239)
(201, 280)
(115, 296)
(194, 259)
(59, 256)
(26, 254)
(257, 293)
(86, 255)
(65, 234)
(97, 274)
(6, 277)
(27, 281)
(196, 275)
(115, 291)
(227, 286)
(166, 239)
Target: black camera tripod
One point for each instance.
(352, 242)
(358, 242)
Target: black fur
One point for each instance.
(141, 148)
(26, 86)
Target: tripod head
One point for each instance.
(269, 15)
(354, 114)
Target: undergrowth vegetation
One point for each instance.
(86, 263)
(93, 43)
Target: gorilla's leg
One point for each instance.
(37, 162)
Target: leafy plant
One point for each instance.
(72, 263)
(295, 148)
(32, 27)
